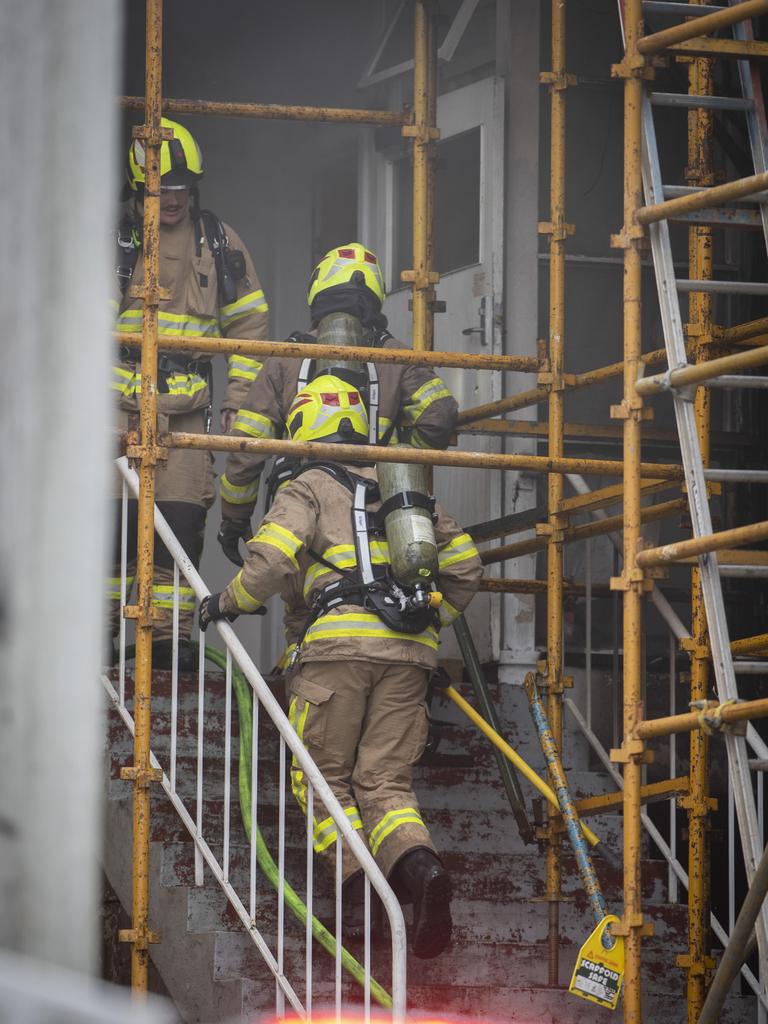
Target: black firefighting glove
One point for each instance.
(230, 532)
(211, 611)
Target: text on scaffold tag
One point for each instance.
(599, 972)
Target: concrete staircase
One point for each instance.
(497, 967)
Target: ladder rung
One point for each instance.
(678, 10)
(723, 287)
(750, 668)
(743, 572)
(673, 191)
(726, 215)
(736, 380)
(737, 476)
(678, 99)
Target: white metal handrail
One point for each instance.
(317, 788)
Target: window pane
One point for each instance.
(457, 206)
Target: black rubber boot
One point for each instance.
(428, 884)
(353, 908)
(162, 655)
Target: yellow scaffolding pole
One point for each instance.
(631, 581)
(147, 453)
(558, 230)
(697, 961)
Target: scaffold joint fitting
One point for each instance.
(153, 136)
(630, 236)
(633, 67)
(559, 229)
(142, 776)
(711, 717)
(140, 937)
(151, 296)
(557, 80)
(632, 751)
(420, 280)
(420, 133)
(632, 923)
(695, 968)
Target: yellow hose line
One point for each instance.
(513, 756)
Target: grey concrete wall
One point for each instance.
(58, 133)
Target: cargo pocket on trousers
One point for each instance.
(308, 710)
(416, 738)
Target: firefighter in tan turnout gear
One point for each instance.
(365, 651)
(409, 403)
(213, 290)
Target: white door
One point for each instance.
(469, 196)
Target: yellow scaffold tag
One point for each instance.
(599, 972)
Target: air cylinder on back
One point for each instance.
(409, 530)
(339, 329)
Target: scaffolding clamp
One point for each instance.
(557, 80)
(629, 237)
(631, 408)
(632, 751)
(711, 717)
(152, 296)
(140, 937)
(634, 67)
(141, 776)
(559, 229)
(632, 923)
(695, 968)
(420, 133)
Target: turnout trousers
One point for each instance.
(365, 725)
(188, 523)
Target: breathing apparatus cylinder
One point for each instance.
(339, 329)
(409, 529)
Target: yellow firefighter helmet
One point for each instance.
(181, 162)
(328, 409)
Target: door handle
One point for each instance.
(468, 331)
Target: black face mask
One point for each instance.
(351, 299)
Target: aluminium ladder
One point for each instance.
(751, 103)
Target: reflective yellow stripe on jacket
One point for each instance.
(460, 549)
(243, 367)
(238, 495)
(364, 624)
(423, 397)
(184, 325)
(254, 424)
(243, 599)
(253, 302)
(276, 536)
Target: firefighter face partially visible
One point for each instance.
(174, 204)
